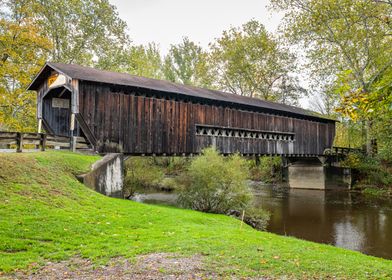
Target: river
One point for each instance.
(340, 218)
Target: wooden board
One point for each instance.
(136, 122)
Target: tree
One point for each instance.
(22, 52)
(249, 61)
(76, 31)
(349, 40)
(187, 63)
(325, 102)
(138, 60)
(81, 31)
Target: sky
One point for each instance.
(168, 21)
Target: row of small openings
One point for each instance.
(237, 133)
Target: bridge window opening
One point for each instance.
(205, 130)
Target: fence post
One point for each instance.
(19, 142)
(43, 141)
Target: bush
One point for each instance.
(141, 173)
(372, 172)
(177, 165)
(215, 184)
(268, 170)
(376, 192)
(255, 217)
(168, 184)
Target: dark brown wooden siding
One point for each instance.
(123, 120)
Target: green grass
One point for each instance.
(46, 214)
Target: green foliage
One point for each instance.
(174, 165)
(141, 173)
(348, 46)
(81, 30)
(382, 127)
(215, 184)
(372, 171)
(340, 35)
(268, 170)
(376, 192)
(149, 172)
(47, 215)
(249, 61)
(257, 218)
(349, 134)
(32, 32)
(168, 184)
(253, 216)
(187, 63)
(136, 60)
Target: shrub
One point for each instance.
(371, 170)
(141, 173)
(268, 170)
(171, 165)
(255, 217)
(177, 165)
(376, 192)
(168, 184)
(215, 184)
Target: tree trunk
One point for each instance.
(371, 142)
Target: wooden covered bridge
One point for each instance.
(118, 112)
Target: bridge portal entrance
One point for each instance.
(57, 111)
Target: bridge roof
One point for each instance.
(101, 76)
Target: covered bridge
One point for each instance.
(136, 115)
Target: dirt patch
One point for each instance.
(152, 266)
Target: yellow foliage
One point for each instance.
(22, 53)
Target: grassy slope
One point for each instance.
(46, 214)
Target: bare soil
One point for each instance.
(152, 266)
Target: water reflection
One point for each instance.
(165, 198)
(343, 219)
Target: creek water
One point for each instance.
(340, 218)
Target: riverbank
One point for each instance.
(48, 216)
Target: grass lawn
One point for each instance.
(46, 214)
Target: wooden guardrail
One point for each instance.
(345, 150)
(40, 141)
(342, 151)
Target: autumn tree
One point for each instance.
(23, 51)
(81, 31)
(349, 40)
(249, 61)
(187, 63)
(33, 31)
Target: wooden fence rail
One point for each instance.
(41, 141)
(345, 150)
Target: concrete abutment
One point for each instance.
(316, 173)
(106, 175)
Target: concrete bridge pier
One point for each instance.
(316, 173)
